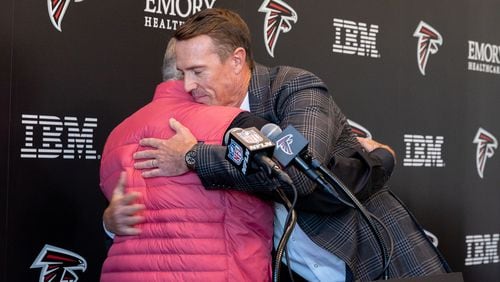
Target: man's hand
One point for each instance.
(370, 145)
(168, 157)
(121, 214)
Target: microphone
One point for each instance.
(244, 146)
(249, 151)
(228, 133)
(291, 146)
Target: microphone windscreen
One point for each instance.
(271, 131)
(247, 119)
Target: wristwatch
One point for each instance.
(190, 157)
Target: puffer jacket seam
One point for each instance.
(226, 241)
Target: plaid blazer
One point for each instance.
(285, 95)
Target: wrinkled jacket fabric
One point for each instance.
(189, 233)
(289, 96)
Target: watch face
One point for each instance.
(190, 159)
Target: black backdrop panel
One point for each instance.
(5, 96)
(64, 91)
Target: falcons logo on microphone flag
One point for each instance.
(429, 41)
(486, 145)
(279, 18)
(58, 265)
(285, 144)
(57, 9)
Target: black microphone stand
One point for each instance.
(334, 180)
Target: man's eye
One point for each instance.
(197, 72)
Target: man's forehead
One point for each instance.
(195, 52)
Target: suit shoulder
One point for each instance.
(286, 76)
(287, 73)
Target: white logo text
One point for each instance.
(482, 249)
(172, 10)
(355, 38)
(423, 150)
(484, 57)
(50, 137)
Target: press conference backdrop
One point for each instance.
(421, 76)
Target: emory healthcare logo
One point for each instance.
(58, 265)
(428, 41)
(170, 14)
(279, 16)
(484, 57)
(57, 9)
(486, 145)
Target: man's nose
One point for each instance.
(189, 84)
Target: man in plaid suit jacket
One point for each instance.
(219, 71)
(287, 96)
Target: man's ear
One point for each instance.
(239, 59)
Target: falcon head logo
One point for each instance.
(359, 130)
(285, 144)
(486, 145)
(57, 9)
(279, 18)
(429, 41)
(58, 265)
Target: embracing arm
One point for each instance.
(303, 101)
(312, 111)
(364, 173)
(123, 214)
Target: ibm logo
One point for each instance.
(482, 249)
(49, 137)
(355, 38)
(423, 151)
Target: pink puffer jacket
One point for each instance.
(190, 234)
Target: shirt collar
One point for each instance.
(245, 105)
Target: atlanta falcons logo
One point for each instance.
(486, 144)
(57, 9)
(428, 41)
(58, 265)
(279, 16)
(285, 144)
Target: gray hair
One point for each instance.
(169, 68)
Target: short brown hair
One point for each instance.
(226, 28)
